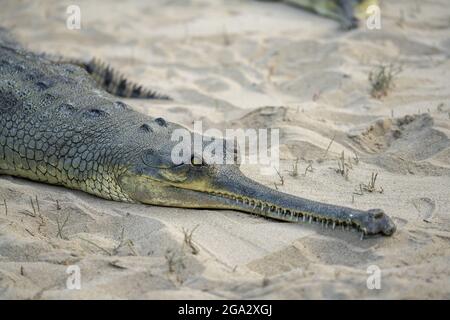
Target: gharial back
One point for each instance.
(57, 127)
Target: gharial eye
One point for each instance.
(197, 161)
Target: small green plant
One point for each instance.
(382, 79)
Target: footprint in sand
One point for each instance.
(425, 207)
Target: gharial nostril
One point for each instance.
(161, 122)
(389, 228)
(377, 213)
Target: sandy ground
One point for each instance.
(249, 64)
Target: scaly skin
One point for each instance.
(109, 79)
(57, 127)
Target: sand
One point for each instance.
(251, 64)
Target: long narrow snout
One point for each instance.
(243, 194)
(226, 187)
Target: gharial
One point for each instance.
(59, 127)
(349, 13)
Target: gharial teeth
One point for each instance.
(334, 225)
(310, 219)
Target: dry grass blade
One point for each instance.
(343, 167)
(97, 246)
(188, 240)
(281, 179)
(124, 242)
(35, 213)
(329, 145)
(371, 186)
(29, 213)
(61, 225)
(175, 262)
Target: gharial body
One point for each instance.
(59, 127)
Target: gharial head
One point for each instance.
(155, 177)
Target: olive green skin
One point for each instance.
(58, 127)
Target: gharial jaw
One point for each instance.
(326, 215)
(226, 187)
